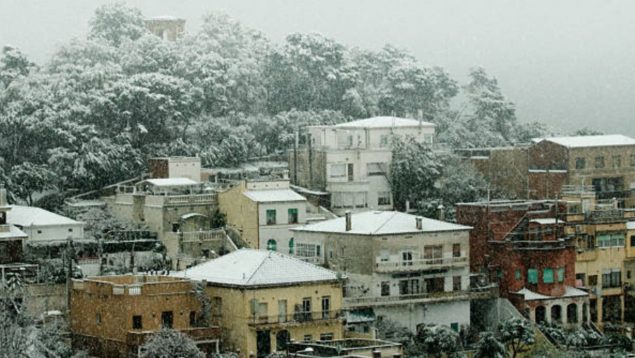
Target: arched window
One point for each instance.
(272, 245)
(291, 246)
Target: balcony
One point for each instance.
(137, 338)
(297, 318)
(425, 297)
(537, 245)
(421, 264)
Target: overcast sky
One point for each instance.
(566, 63)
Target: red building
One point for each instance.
(522, 246)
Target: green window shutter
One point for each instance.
(517, 274)
(561, 274)
(272, 245)
(547, 275)
(291, 246)
(532, 275)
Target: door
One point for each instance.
(350, 171)
(167, 318)
(282, 339)
(263, 343)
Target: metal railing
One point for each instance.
(366, 301)
(295, 318)
(407, 265)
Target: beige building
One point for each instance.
(263, 211)
(604, 253)
(405, 268)
(351, 160)
(176, 167)
(265, 299)
(168, 28)
(112, 316)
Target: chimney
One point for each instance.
(440, 212)
(348, 218)
(3, 197)
(419, 223)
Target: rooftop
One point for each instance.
(171, 182)
(12, 233)
(590, 141)
(253, 268)
(26, 216)
(274, 195)
(384, 122)
(529, 295)
(381, 223)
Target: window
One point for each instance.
(383, 140)
(383, 198)
(632, 240)
(39, 231)
(217, 307)
(593, 280)
(272, 245)
(599, 162)
(375, 169)
(560, 274)
(617, 161)
(547, 275)
(454, 326)
(70, 230)
(175, 227)
(326, 336)
(291, 246)
(385, 288)
(580, 163)
(628, 274)
(532, 275)
(612, 278)
(308, 338)
(167, 319)
(517, 274)
(293, 216)
(409, 287)
(307, 250)
(406, 258)
(271, 216)
(326, 307)
(456, 250)
(610, 239)
(192, 318)
(338, 171)
(98, 318)
(456, 283)
(433, 253)
(136, 322)
(428, 139)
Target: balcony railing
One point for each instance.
(295, 318)
(411, 265)
(196, 333)
(371, 301)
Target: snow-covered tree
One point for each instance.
(439, 341)
(517, 334)
(116, 23)
(170, 343)
(489, 347)
(29, 178)
(13, 64)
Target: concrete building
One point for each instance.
(168, 28)
(405, 268)
(524, 247)
(351, 160)
(112, 316)
(605, 255)
(180, 210)
(176, 167)
(43, 226)
(264, 300)
(263, 211)
(11, 238)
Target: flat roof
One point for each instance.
(165, 182)
(384, 122)
(589, 140)
(273, 195)
(26, 216)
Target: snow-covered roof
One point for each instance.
(384, 122)
(590, 140)
(547, 221)
(381, 223)
(630, 225)
(12, 234)
(253, 268)
(171, 182)
(192, 215)
(569, 292)
(274, 195)
(26, 216)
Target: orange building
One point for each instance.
(112, 316)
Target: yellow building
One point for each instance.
(264, 299)
(604, 252)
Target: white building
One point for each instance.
(44, 226)
(351, 160)
(406, 268)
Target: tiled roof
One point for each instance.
(384, 122)
(381, 223)
(590, 140)
(248, 267)
(26, 216)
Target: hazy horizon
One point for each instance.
(568, 64)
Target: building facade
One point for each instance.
(351, 160)
(168, 28)
(401, 267)
(112, 316)
(264, 300)
(11, 238)
(524, 247)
